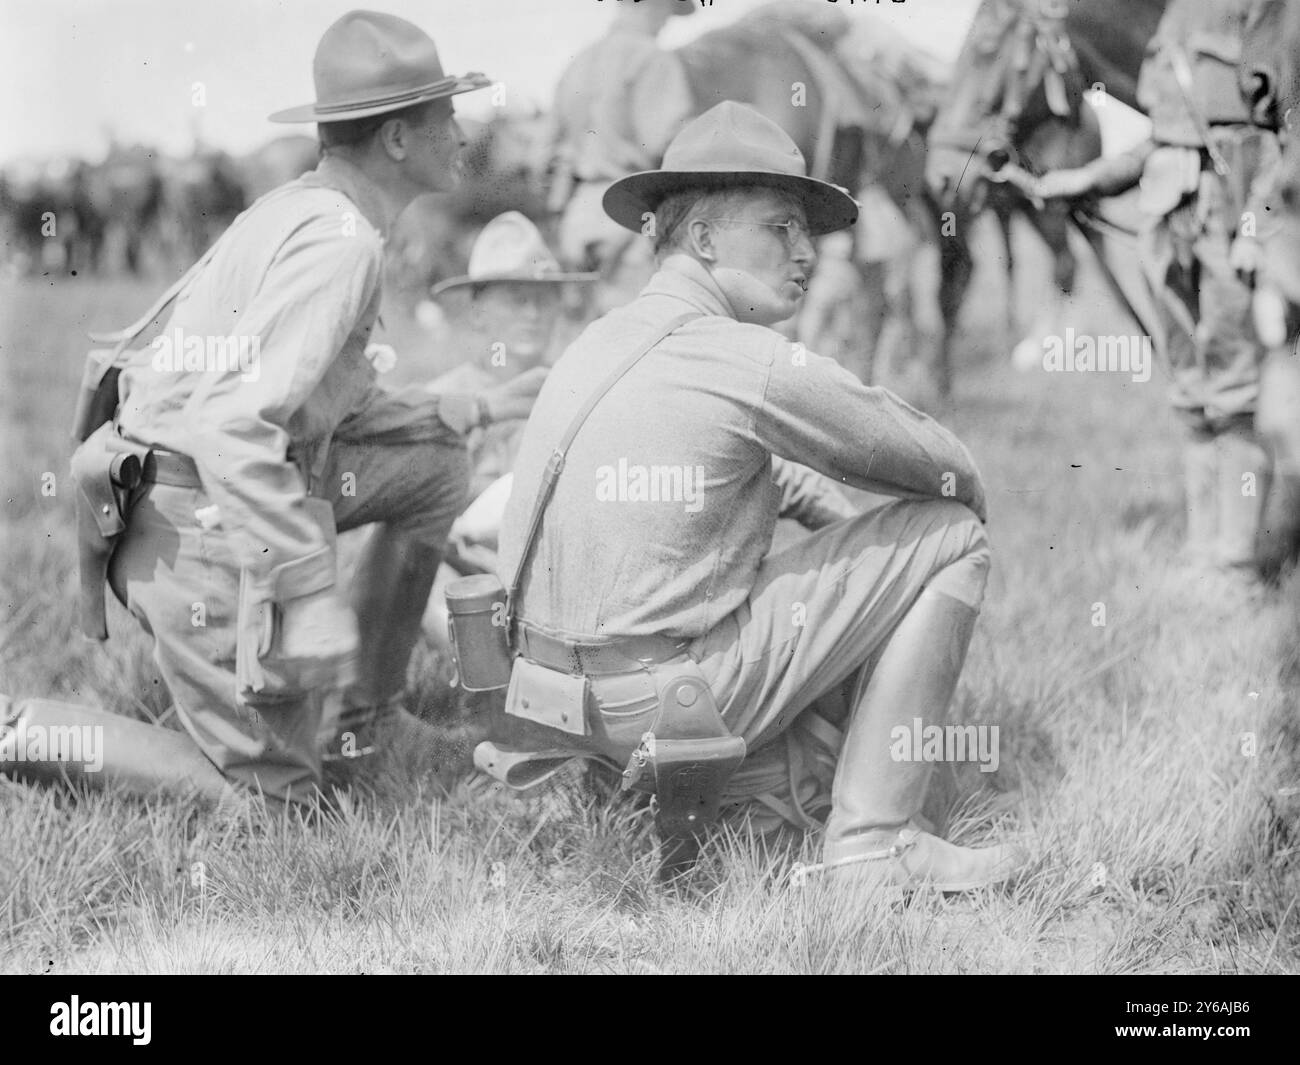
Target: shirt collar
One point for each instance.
(684, 278)
(343, 176)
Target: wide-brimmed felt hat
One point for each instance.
(510, 250)
(730, 145)
(369, 63)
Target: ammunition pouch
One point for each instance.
(264, 674)
(108, 471)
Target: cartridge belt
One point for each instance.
(590, 657)
(170, 468)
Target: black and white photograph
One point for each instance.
(650, 487)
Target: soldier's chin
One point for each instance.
(753, 300)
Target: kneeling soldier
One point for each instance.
(646, 595)
(240, 470)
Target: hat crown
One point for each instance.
(369, 54)
(510, 246)
(733, 137)
(729, 146)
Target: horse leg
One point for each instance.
(955, 269)
(866, 323)
(1010, 320)
(1052, 225)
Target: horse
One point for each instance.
(1018, 95)
(202, 193)
(124, 194)
(48, 220)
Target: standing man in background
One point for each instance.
(602, 129)
(1202, 176)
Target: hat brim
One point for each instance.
(828, 207)
(510, 279)
(449, 86)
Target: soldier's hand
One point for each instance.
(1064, 184)
(1016, 176)
(514, 399)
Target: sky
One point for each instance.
(75, 72)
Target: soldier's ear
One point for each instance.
(394, 135)
(699, 238)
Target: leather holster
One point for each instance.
(108, 472)
(686, 760)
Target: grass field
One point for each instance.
(1151, 763)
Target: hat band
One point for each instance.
(408, 95)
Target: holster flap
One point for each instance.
(107, 470)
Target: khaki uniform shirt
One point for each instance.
(699, 418)
(295, 281)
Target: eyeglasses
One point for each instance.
(794, 229)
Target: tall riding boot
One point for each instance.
(47, 741)
(1201, 485)
(1244, 472)
(389, 594)
(870, 838)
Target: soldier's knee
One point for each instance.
(439, 500)
(964, 555)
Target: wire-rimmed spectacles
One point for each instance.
(794, 229)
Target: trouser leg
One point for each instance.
(412, 492)
(854, 584)
(1244, 472)
(389, 594)
(180, 579)
(1201, 490)
(48, 741)
(1278, 426)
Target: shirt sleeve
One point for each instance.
(1119, 173)
(807, 497)
(817, 413)
(318, 288)
(410, 415)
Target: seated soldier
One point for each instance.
(633, 589)
(504, 314)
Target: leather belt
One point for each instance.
(171, 468)
(619, 654)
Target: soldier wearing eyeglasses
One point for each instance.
(813, 654)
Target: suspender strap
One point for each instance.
(556, 462)
(123, 337)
